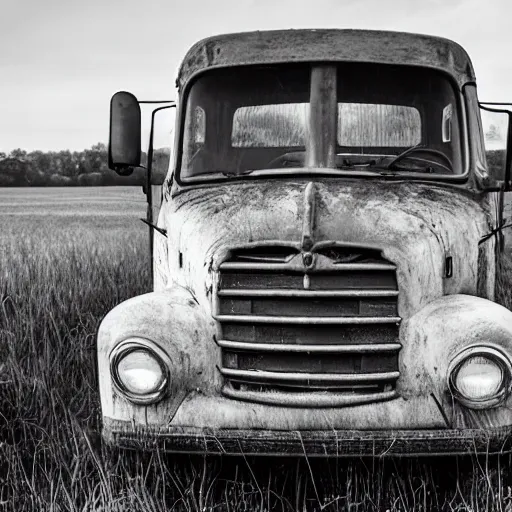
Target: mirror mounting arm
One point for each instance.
(149, 190)
(151, 135)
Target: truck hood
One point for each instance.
(416, 225)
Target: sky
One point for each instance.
(61, 60)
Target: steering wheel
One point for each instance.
(290, 157)
(447, 165)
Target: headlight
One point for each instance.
(139, 370)
(479, 377)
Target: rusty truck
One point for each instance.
(325, 247)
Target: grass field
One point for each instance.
(67, 256)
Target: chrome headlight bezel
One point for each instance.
(133, 344)
(497, 357)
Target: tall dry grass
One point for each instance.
(59, 276)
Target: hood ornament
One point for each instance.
(309, 217)
(308, 225)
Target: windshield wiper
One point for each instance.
(227, 174)
(384, 170)
(236, 174)
(402, 155)
(350, 164)
(423, 165)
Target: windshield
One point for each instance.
(240, 120)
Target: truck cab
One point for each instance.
(324, 256)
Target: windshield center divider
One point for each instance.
(321, 146)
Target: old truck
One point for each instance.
(324, 255)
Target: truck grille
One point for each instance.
(316, 329)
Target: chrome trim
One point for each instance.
(215, 303)
(495, 355)
(336, 267)
(265, 259)
(259, 375)
(332, 349)
(130, 345)
(335, 244)
(310, 399)
(305, 320)
(310, 294)
(308, 220)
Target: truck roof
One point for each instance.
(327, 45)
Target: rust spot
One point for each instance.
(209, 49)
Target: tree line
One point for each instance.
(89, 167)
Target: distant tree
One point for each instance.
(41, 164)
(59, 180)
(68, 166)
(494, 133)
(94, 159)
(13, 172)
(18, 153)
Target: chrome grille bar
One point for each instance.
(312, 294)
(339, 267)
(284, 347)
(312, 377)
(314, 399)
(318, 320)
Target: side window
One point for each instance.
(447, 123)
(199, 126)
(195, 130)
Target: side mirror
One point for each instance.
(497, 127)
(124, 151)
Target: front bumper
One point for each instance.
(310, 443)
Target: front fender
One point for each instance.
(433, 338)
(174, 321)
